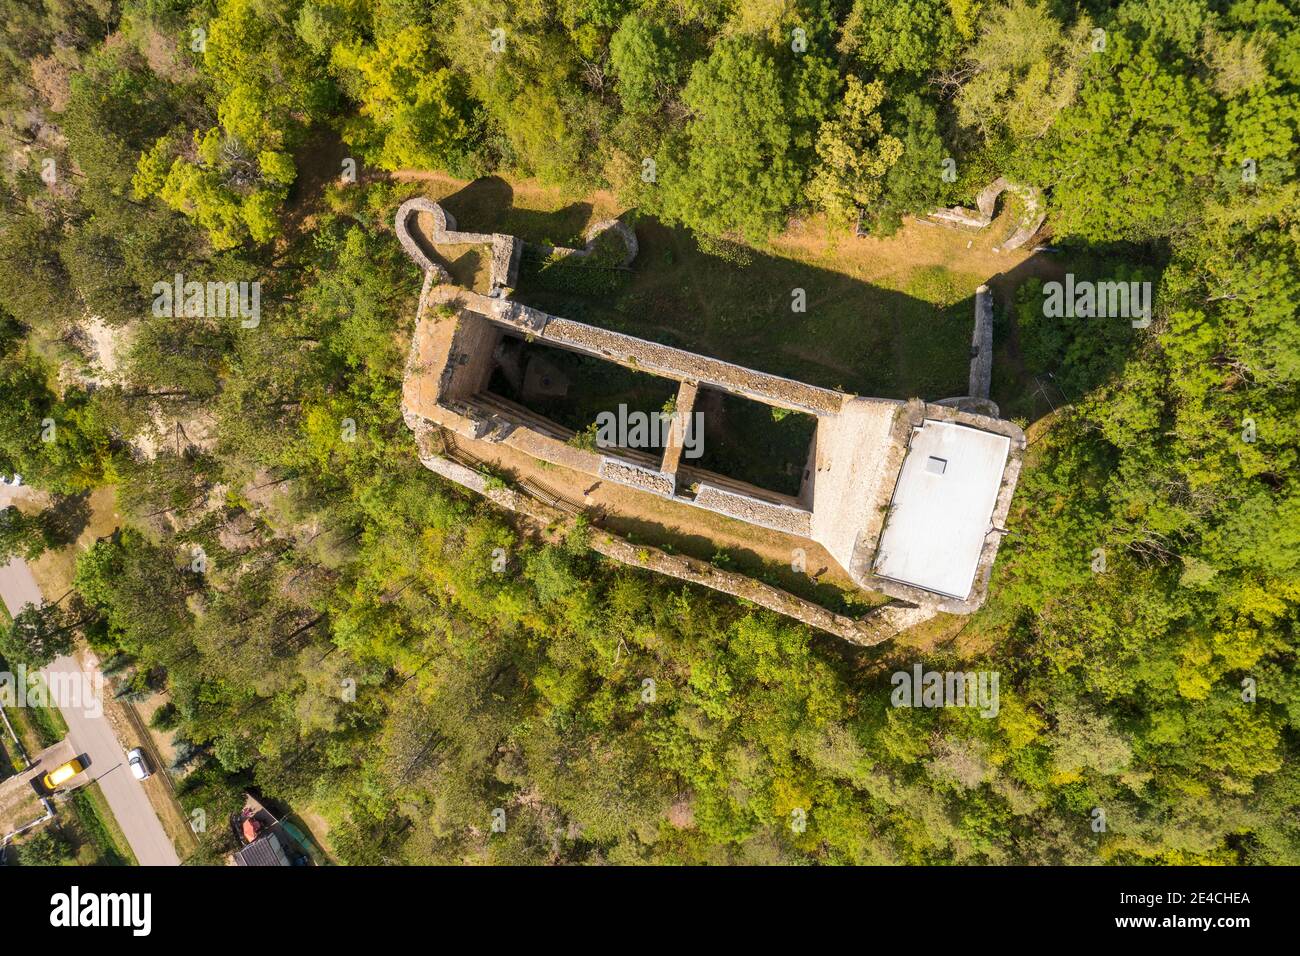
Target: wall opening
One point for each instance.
(573, 390)
(753, 442)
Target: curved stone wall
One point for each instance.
(506, 250)
(986, 204)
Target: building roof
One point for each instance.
(942, 507)
(264, 852)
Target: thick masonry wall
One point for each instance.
(683, 408)
(981, 345)
(657, 359)
(680, 364)
(634, 476)
(505, 250)
(470, 360)
(986, 202)
(752, 510)
(879, 625)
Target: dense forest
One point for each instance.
(326, 615)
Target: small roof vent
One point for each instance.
(936, 466)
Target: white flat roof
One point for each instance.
(942, 507)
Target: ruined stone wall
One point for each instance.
(879, 625)
(690, 475)
(765, 514)
(683, 407)
(635, 476)
(556, 452)
(981, 345)
(986, 202)
(504, 250)
(659, 359)
(471, 357)
(598, 229)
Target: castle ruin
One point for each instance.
(908, 497)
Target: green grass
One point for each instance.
(868, 339)
(753, 442)
(48, 724)
(98, 828)
(8, 759)
(39, 727)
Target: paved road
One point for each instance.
(91, 734)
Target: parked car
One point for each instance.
(139, 766)
(62, 774)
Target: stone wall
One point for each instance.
(634, 476)
(765, 514)
(504, 250)
(470, 359)
(598, 229)
(877, 626)
(657, 359)
(986, 202)
(981, 345)
(682, 423)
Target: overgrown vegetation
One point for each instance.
(348, 642)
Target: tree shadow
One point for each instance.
(1043, 363)
(487, 205)
(740, 560)
(65, 519)
(742, 305)
(319, 162)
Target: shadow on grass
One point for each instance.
(487, 205)
(738, 304)
(65, 519)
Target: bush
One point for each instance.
(167, 717)
(48, 847)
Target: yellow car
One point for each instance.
(61, 775)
